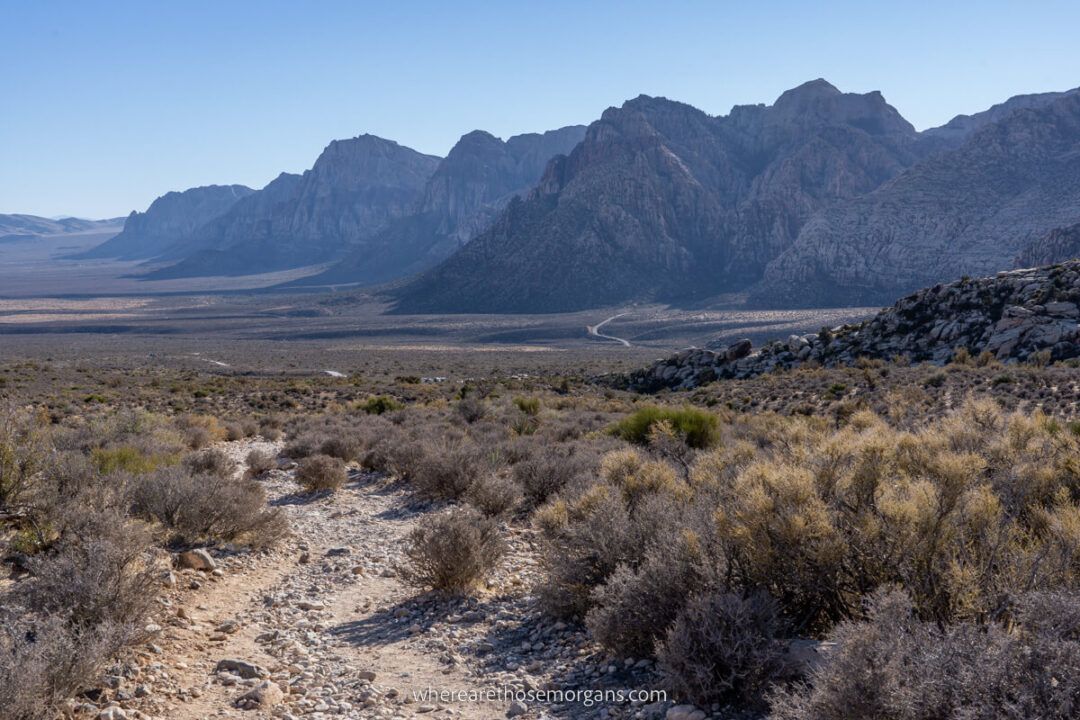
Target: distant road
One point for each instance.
(594, 330)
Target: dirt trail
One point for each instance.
(594, 330)
(324, 616)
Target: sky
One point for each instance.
(106, 105)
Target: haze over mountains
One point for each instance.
(18, 227)
(821, 198)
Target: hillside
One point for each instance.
(355, 189)
(1013, 316)
(172, 218)
(968, 211)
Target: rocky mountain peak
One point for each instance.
(819, 102)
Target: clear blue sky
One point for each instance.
(105, 105)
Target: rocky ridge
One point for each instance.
(1015, 315)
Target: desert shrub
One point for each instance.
(234, 431)
(636, 606)
(321, 472)
(45, 661)
(897, 666)
(97, 573)
(447, 469)
(471, 409)
(271, 427)
(379, 404)
(494, 494)
(452, 551)
(303, 445)
(528, 405)
(200, 430)
(724, 646)
(125, 459)
(697, 427)
(198, 507)
(585, 541)
(962, 356)
(260, 462)
(87, 597)
(343, 447)
(549, 469)
(211, 462)
(24, 450)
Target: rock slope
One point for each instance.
(1056, 246)
(172, 218)
(355, 189)
(968, 211)
(1012, 315)
(467, 191)
(662, 201)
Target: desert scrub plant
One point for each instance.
(471, 409)
(379, 404)
(528, 405)
(635, 607)
(725, 646)
(452, 551)
(321, 472)
(197, 508)
(447, 469)
(86, 599)
(200, 430)
(546, 470)
(128, 459)
(495, 494)
(214, 462)
(895, 665)
(698, 428)
(24, 451)
(259, 462)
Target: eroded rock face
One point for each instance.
(1012, 315)
(971, 211)
(1058, 245)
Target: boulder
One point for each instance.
(266, 694)
(196, 560)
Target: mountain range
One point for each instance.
(27, 227)
(822, 198)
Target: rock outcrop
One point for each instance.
(1058, 245)
(172, 218)
(1013, 315)
(662, 201)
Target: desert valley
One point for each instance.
(670, 415)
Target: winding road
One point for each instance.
(594, 330)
